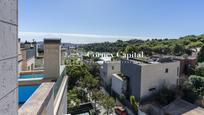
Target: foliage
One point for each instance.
(165, 95)
(108, 103)
(94, 69)
(178, 50)
(162, 46)
(194, 88)
(75, 72)
(200, 71)
(197, 83)
(73, 99)
(134, 103)
(88, 82)
(200, 57)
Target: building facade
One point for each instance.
(8, 57)
(106, 71)
(143, 79)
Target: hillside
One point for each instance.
(178, 46)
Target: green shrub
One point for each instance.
(165, 96)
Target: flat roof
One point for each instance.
(52, 40)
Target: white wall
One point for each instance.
(31, 62)
(117, 84)
(107, 71)
(8, 57)
(154, 76)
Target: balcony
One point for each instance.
(49, 98)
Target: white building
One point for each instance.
(106, 71)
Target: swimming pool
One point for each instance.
(26, 76)
(24, 92)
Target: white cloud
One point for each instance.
(74, 38)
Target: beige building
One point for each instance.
(52, 56)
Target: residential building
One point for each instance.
(143, 78)
(106, 71)
(50, 98)
(8, 57)
(28, 59)
(186, 64)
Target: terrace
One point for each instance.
(42, 95)
(44, 91)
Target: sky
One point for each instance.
(88, 21)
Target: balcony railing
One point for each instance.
(59, 80)
(49, 98)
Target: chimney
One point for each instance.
(52, 57)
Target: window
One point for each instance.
(166, 70)
(152, 89)
(177, 71)
(112, 67)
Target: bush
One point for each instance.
(165, 96)
(194, 88)
(200, 57)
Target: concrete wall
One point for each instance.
(52, 58)
(8, 57)
(154, 76)
(133, 72)
(63, 105)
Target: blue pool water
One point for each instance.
(31, 76)
(24, 92)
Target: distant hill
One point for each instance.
(162, 46)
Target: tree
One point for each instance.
(178, 50)
(200, 57)
(97, 96)
(197, 83)
(193, 89)
(200, 71)
(108, 103)
(88, 82)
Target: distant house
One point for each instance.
(106, 71)
(143, 78)
(26, 56)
